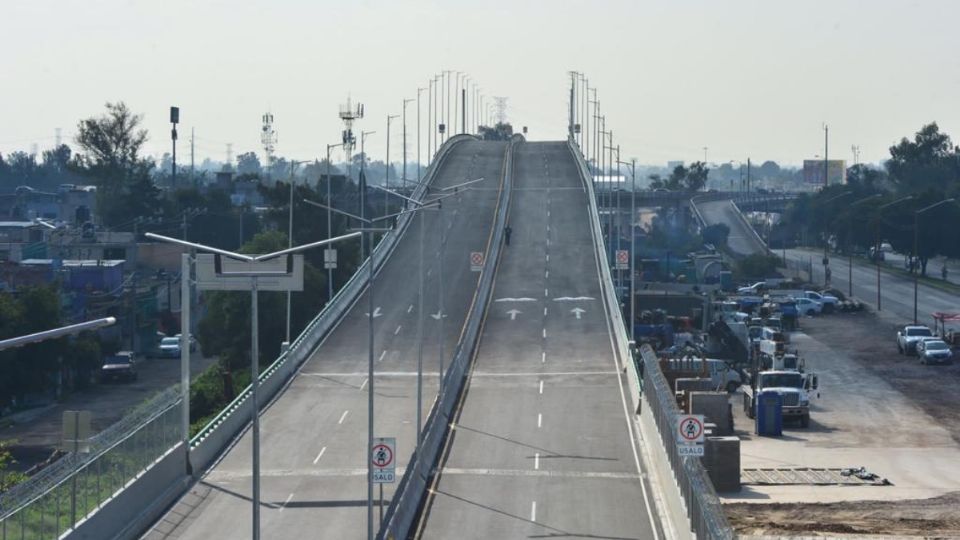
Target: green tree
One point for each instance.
(111, 157)
(929, 162)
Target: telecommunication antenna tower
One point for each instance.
(500, 103)
(268, 138)
(348, 113)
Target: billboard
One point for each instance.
(813, 172)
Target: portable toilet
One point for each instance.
(769, 421)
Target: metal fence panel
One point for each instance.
(54, 500)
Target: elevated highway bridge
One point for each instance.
(532, 393)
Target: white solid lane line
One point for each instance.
(284, 505)
(343, 417)
(533, 511)
(320, 455)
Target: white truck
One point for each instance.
(794, 387)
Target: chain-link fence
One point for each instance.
(703, 505)
(55, 499)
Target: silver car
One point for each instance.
(934, 351)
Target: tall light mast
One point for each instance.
(348, 113)
(268, 138)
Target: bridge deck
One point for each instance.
(542, 444)
(314, 436)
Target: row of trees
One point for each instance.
(38, 367)
(882, 205)
(691, 179)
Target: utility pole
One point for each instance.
(403, 181)
(463, 121)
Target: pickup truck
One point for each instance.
(119, 367)
(827, 302)
(908, 336)
(793, 386)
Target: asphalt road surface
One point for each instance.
(314, 437)
(742, 240)
(542, 446)
(896, 290)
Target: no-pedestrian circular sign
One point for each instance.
(382, 456)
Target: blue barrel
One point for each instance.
(769, 420)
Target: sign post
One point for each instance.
(384, 463)
(476, 261)
(690, 434)
(623, 259)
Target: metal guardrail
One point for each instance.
(54, 500)
(703, 506)
(405, 505)
(215, 436)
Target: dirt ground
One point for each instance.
(871, 343)
(37, 439)
(938, 517)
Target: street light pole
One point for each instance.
(254, 343)
(633, 244)
(403, 180)
(877, 245)
(916, 250)
(329, 223)
(849, 250)
(386, 182)
(419, 158)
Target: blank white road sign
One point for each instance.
(279, 274)
(384, 461)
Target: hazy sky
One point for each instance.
(744, 78)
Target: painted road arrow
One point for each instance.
(513, 314)
(437, 315)
(578, 311)
(376, 313)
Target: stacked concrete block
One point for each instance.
(721, 458)
(716, 407)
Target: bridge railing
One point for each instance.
(405, 505)
(215, 436)
(703, 505)
(706, 517)
(56, 499)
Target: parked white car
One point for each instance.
(807, 306)
(824, 299)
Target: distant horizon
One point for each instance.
(741, 78)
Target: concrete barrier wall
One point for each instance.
(667, 496)
(143, 501)
(225, 427)
(405, 505)
(129, 512)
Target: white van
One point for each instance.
(720, 373)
